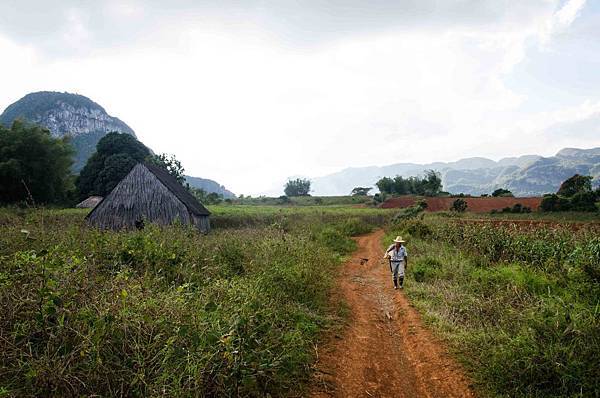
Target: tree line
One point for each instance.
(428, 185)
(35, 168)
(575, 194)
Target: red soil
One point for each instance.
(477, 205)
(385, 351)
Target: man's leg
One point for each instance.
(395, 267)
(401, 274)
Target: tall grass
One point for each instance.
(166, 311)
(521, 307)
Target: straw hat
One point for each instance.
(399, 239)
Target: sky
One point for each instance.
(249, 93)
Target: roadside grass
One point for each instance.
(520, 308)
(167, 311)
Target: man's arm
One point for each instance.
(386, 254)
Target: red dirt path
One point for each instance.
(477, 205)
(385, 351)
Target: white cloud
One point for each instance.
(238, 104)
(561, 20)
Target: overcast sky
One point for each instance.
(251, 92)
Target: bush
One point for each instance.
(459, 205)
(425, 269)
(584, 201)
(501, 192)
(554, 202)
(407, 213)
(418, 229)
(516, 209)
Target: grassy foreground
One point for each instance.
(168, 312)
(519, 305)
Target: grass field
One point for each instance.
(519, 305)
(304, 201)
(168, 312)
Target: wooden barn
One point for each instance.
(148, 194)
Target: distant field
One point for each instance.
(305, 200)
(477, 205)
(560, 217)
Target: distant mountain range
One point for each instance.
(85, 121)
(529, 175)
(209, 186)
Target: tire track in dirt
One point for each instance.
(385, 351)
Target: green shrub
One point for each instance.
(459, 205)
(418, 229)
(408, 213)
(334, 239)
(354, 227)
(554, 202)
(425, 269)
(584, 201)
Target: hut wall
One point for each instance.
(140, 195)
(202, 223)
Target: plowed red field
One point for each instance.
(477, 205)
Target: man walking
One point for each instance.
(398, 257)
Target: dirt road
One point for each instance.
(385, 351)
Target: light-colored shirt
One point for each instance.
(396, 255)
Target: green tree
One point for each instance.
(459, 205)
(385, 185)
(501, 192)
(575, 184)
(34, 165)
(360, 191)
(297, 187)
(429, 185)
(553, 202)
(575, 193)
(169, 163)
(584, 201)
(115, 156)
(432, 183)
(206, 198)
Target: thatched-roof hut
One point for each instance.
(90, 202)
(148, 194)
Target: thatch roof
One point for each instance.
(178, 190)
(148, 193)
(89, 203)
